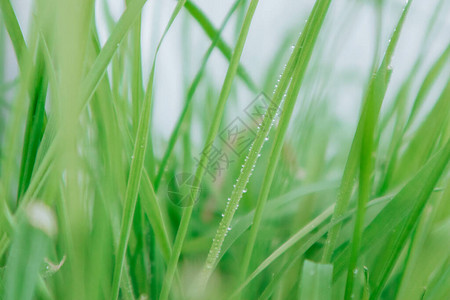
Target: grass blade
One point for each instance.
(314, 224)
(13, 28)
(399, 235)
(409, 201)
(34, 128)
(316, 281)
(29, 246)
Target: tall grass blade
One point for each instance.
(316, 281)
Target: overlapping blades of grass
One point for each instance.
(308, 235)
(27, 71)
(212, 33)
(370, 114)
(190, 94)
(224, 93)
(427, 251)
(422, 144)
(35, 125)
(404, 122)
(396, 220)
(303, 50)
(371, 106)
(91, 81)
(13, 28)
(137, 164)
(398, 235)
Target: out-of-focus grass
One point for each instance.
(95, 202)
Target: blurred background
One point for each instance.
(346, 53)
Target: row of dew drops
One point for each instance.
(230, 208)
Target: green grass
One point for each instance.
(98, 200)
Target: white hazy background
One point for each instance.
(352, 55)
